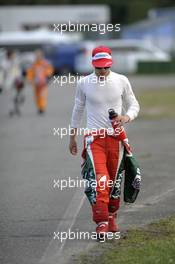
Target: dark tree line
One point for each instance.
(123, 11)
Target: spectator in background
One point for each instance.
(38, 75)
(12, 79)
(2, 56)
(1, 78)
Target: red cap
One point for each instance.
(101, 57)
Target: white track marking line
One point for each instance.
(157, 198)
(55, 247)
(151, 201)
(53, 251)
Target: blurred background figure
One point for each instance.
(12, 78)
(38, 74)
(2, 56)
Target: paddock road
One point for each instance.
(32, 207)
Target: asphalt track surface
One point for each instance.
(32, 208)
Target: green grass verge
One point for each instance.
(157, 103)
(153, 244)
